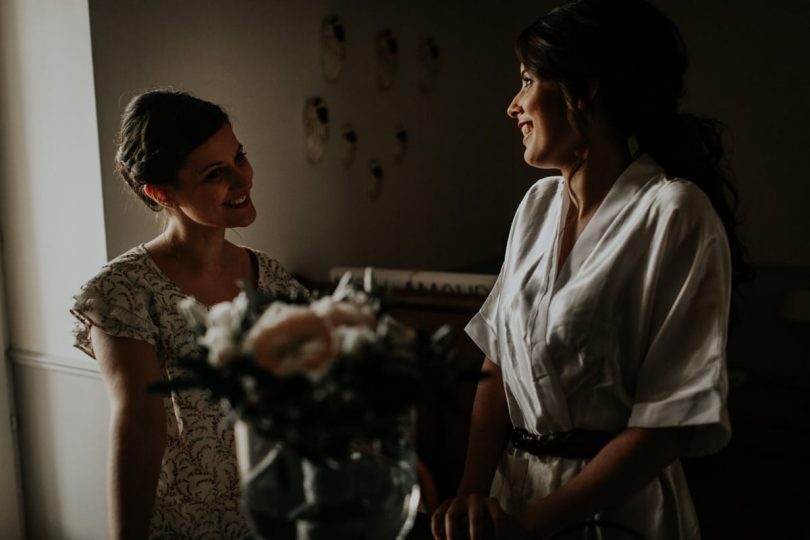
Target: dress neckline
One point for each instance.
(255, 258)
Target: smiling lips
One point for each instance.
(239, 202)
(525, 128)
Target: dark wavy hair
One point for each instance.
(159, 129)
(638, 57)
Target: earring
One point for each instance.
(632, 146)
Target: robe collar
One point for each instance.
(629, 182)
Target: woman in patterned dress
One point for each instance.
(172, 471)
(605, 332)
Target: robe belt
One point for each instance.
(574, 444)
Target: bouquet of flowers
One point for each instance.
(316, 373)
(329, 384)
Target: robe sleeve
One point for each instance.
(682, 379)
(482, 328)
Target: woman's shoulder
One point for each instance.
(544, 188)
(273, 277)
(268, 266)
(129, 267)
(539, 199)
(117, 300)
(684, 200)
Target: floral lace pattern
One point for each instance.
(198, 493)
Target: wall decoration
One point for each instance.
(333, 47)
(349, 144)
(401, 140)
(375, 179)
(316, 129)
(428, 64)
(387, 59)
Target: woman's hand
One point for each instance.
(475, 517)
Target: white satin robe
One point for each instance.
(631, 332)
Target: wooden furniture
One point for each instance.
(443, 421)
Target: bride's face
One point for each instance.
(541, 111)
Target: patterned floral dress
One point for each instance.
(198, 492)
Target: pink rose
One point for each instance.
(300, 342)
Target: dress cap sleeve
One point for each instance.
(274, 279)
(113, 303)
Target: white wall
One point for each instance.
(63, 421)
(11, 512)
(52, 220)
(52, 207)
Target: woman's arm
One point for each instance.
(630, 461)
(137, 431)
(489, 429)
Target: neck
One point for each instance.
(196, 244)
(589, 180)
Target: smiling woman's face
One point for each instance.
(541, 112)
(213, 186)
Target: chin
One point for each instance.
(244, 220)
(248, 220)
(542, 159)
(532, 158)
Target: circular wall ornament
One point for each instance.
(387, 59)
(333, 47)
(375, 179)
(316, 129)
(428, 64)
(349, 144)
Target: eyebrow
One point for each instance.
(239, 150)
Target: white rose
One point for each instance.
(220, 344)
(225, 315)
(349, 338)
(343, 313)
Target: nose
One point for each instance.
(514, 108)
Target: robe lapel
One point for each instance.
(638, 173)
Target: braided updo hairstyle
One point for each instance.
(638, 57)
(159, 129)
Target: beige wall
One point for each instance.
(53, 227)
(448, 206)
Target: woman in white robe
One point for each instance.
(605, 333)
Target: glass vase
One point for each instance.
(371, 495)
